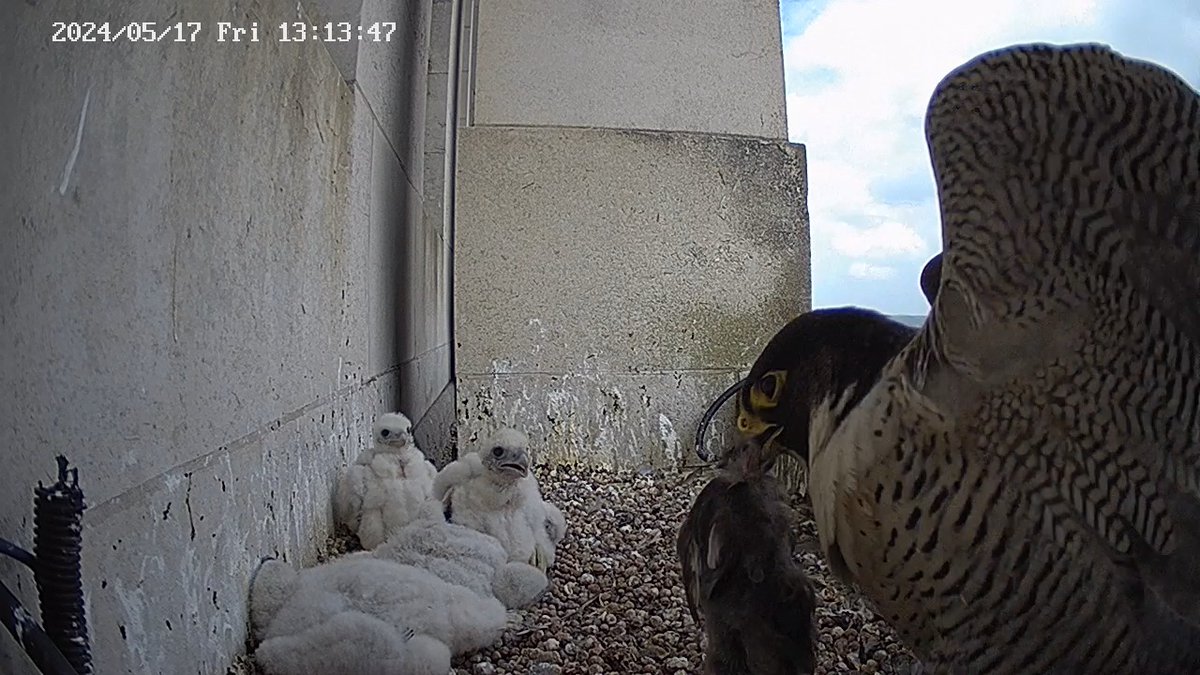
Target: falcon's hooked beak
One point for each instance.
(762, 436)
(757, 429)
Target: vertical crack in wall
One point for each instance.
(187, 501)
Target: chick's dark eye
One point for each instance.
(497, 451)
(385, 433)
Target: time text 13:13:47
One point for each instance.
(336, 31)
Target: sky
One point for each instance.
(859, 74)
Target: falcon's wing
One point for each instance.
(705, 544)
(687, 549)
(1063, 347)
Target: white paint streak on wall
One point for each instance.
(70, 168)
(133, 602)
(670, 439)
(541, 334)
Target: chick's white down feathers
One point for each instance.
(353, 642)
(388, 486)
(493, 491)
(426, 589)
(432, 590)
(465, 557)
(391, 603)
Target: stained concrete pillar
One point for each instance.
(631, 223)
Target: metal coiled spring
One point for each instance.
(57, 544)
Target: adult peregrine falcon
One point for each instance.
(1016, 485)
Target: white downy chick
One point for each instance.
(355, 611)
(493, 491)
(388, 486)
(465, 557)
(353, 642)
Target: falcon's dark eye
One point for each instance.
(768, 390)
(385, 433)
(497, 451)
(767, 386)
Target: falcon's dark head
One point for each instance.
(826, 358)
(931, 278)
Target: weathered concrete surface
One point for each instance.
(613, 282)
(387, 72)
(201, 307)
(468, 36)
(425, 308)
(392, 76)
(403, 82)
(435, 433)
(601, 418)
(320, 12)
(703, 66)
(181, 291)
(169, 564)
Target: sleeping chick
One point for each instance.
(356, 612)
(353, 642)
(464, 557)
(388, 486)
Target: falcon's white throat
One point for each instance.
(822, 421)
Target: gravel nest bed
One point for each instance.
(616, 604)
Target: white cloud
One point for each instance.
(883, 240)
(862, 270)
(860, 73)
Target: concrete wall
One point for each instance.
(218, 268)
(429, 388)
(631, 223)
(711, 66)
(603, 310)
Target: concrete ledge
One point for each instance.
(594, 259)
(600, 419)
(712, 66)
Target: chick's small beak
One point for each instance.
(518, 465)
